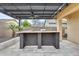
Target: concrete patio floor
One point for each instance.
(66, 49)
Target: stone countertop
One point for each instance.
(20, 32)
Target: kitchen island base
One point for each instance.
(39, 39)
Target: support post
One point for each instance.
(59, 27)
(19, 24)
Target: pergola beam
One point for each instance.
(33, 4)
(29, 10)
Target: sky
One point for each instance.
(3, 16)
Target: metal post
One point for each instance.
(19, 24)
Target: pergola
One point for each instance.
(31, 10)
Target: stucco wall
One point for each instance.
(73, 27)
(5, 32)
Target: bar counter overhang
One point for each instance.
(39, 38)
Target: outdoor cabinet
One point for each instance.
(39, 39)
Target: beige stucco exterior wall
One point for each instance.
(71, 13)
(4, 30)
(73, 27)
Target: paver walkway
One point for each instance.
(66, 49)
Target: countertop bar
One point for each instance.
(37, 32)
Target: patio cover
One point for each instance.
(31, 10)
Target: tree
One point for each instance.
(13, 26)
(26, 24)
